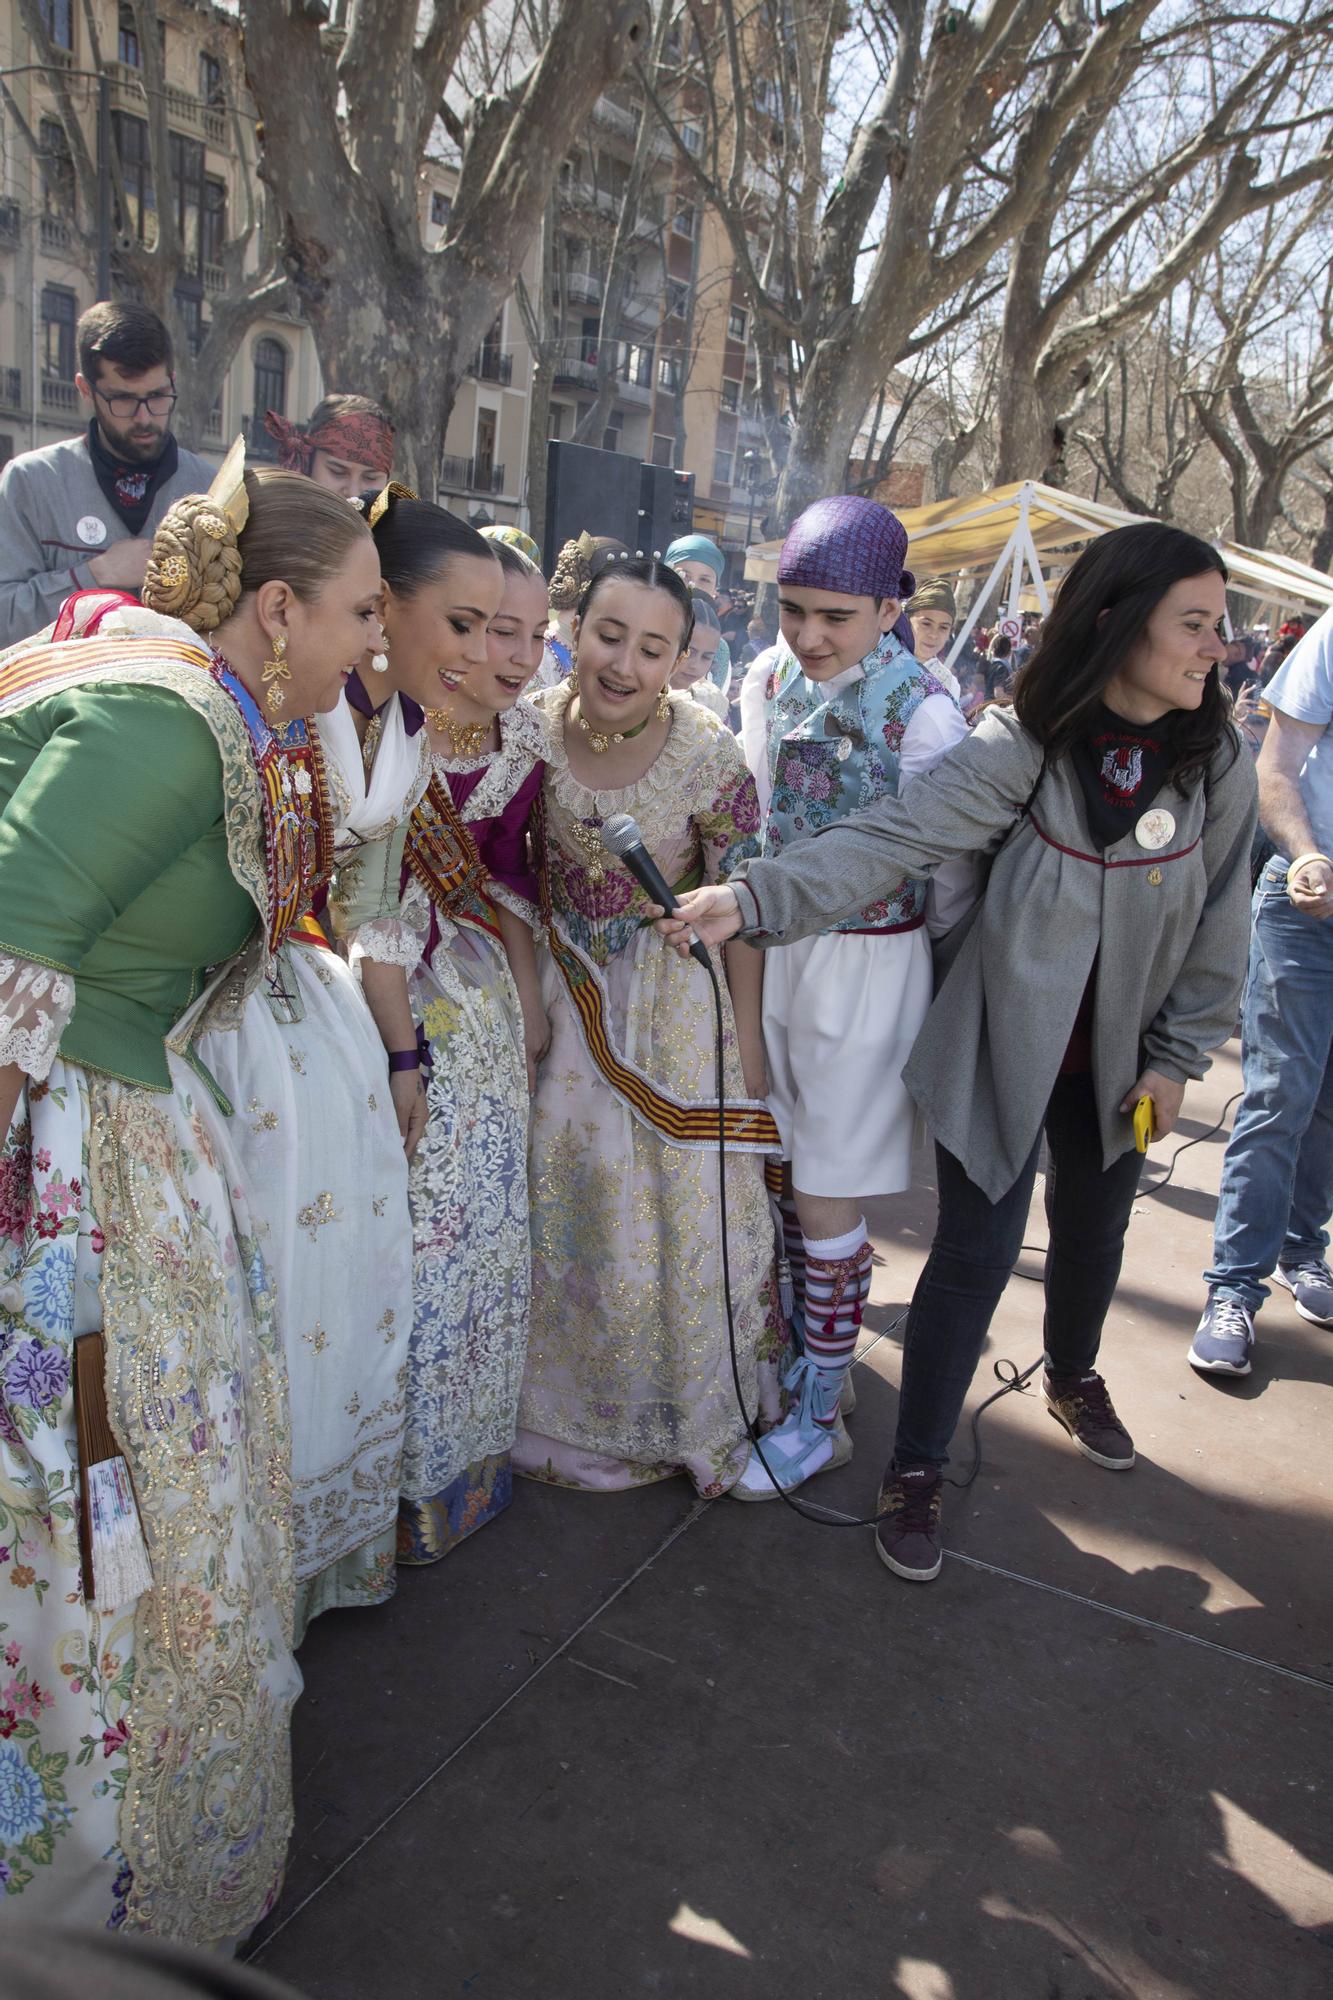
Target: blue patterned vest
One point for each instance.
(831, 754)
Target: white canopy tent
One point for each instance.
(1008, 533)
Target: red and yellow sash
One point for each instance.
(748, 1124)
(442, 854)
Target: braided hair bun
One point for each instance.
(194, 571)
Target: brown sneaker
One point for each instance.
(907, 1534)
(1081, 1404)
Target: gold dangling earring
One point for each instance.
(276, 670)
(663, 701)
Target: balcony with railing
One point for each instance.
(583, 288)
(215, 279)
(55, 234)
(213, 427)
(61, 398)
(11, 390)
(471, 475)
(577, 368)
(492, 364)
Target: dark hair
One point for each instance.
(705, 611)
(130, 337)
(511, 560)
(654, 575)
(1001, 647)
(332, 407)
(1125, 575)
(416, 540)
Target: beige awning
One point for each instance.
(1017, 534)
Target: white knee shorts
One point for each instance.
(840, 1016)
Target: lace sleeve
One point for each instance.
(387, 941)
(35, 1005)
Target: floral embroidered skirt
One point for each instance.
(472, 1257)
(629, 1367)
(144, 1748)
(314, 1132)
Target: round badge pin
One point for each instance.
(1155, 828)
(844, 748)
(91, 532)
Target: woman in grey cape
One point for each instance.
(1103, 963)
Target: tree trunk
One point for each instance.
(539, 431)
(390, 319)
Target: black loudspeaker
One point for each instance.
(593, 490)
(666, 501)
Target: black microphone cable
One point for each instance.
(627, 844)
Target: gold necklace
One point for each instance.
(599, 743)
(468, 738)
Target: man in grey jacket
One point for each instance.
(80, 514)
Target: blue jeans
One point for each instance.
(1277, 1177)
(973, 1255)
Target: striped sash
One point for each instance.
(748, 1125)
(442, 854)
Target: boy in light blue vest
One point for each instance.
(849, 716)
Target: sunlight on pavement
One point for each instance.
(1301, 1890)
(688, 1923)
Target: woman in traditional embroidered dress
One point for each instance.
(147, 813)
(464, 928)
(323, 1134)
(629, 1374)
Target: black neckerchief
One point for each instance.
(1121, 767)
(131, 488)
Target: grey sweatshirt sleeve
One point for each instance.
(965, 805)
(30, 594)
(1200, 1011)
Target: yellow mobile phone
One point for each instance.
(1143, 1123)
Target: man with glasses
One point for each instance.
(81, 514)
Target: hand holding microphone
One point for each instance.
(621, 837)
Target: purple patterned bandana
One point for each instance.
(848, 544)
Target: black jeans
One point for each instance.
(975, 1249)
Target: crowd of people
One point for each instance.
(363, 1146)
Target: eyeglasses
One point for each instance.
(160, 403)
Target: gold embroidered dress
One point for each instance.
(147, 816)
(629, 1372)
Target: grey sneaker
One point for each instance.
(1224, 1338)
(1311, 1285)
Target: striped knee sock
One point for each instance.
(837, 1285)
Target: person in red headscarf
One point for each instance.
(347, 445)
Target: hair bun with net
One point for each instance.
(194, 572)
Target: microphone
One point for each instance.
(621, 837)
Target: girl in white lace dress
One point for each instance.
(629, 1373)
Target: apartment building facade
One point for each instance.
(48, 268)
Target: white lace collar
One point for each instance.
(693, 729)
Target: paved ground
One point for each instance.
(634, 1745)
